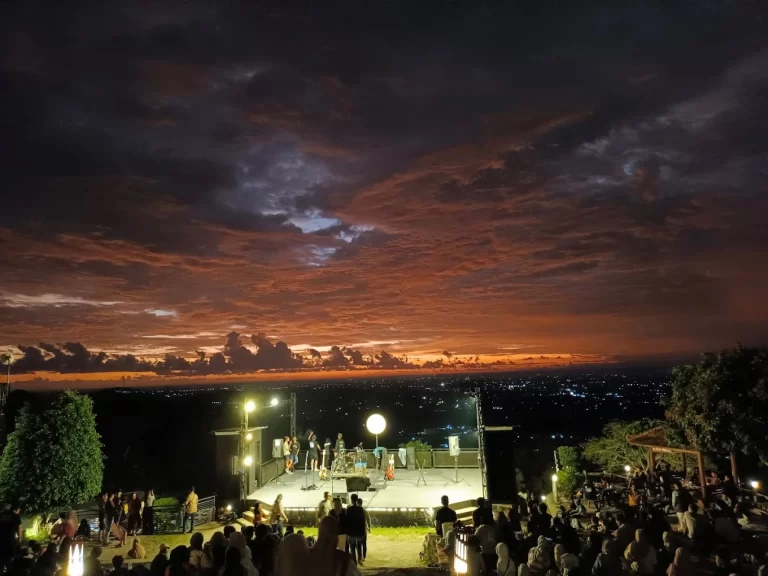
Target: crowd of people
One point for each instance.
(652, 529)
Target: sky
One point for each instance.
(223, 188)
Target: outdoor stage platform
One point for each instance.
(401, 502)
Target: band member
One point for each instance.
(340, 445)
(287, 454)
(314, 455)
(295, 449)
(326, 460)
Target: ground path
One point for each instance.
(394, 548)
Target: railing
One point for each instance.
(166, 519)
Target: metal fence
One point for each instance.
(166, 519)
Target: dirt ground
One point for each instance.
(394, 548)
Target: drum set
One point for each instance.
(351, 462)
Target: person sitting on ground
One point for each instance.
(540, 557)
(117, 567)
(137, 550)
(444, 515)
(641, 555)
(505, 566)
(92, 564)
(591, 552)
(544, 521)
(475, 561)
(608, 562)
(566, 535)
(680, 566)
(696, 527)
(725, 527)
(514, 520)
(566, 562)
(486, 536)
(228, 531)
(159, 562)
(197, 558)
(84, 529)
(233, 563)
(625, 532)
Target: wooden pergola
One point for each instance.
(655, 441)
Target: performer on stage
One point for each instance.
(340, 445)
(326, 460)
(313, 452)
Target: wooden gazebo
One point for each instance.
(655, 440)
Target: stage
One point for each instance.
(401, 495)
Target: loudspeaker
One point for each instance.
(500, 466)
(358, 483)
(277, 448)
(453, 446)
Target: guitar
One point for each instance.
(391, 467)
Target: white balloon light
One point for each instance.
(376, 423)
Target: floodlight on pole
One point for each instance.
(755, 484)
(250, 406)
(376, 424)
(274, 402)
(248, 460)
(249, 436)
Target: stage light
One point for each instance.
(248, 460)
(627, 468)
(755, 484)
(229, 507)
(249, 436)
(554, 478)
(376, 424)
(273, 402)
(250, 406)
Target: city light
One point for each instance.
(249, 436)
(248, 460)
(250, 406)
(755, 484)
(273, 402)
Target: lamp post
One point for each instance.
(243, 460)
(554, 488)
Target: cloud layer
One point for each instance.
(451, 182)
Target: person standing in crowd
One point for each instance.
(608, 562)
(641, 555)
(505, 566)
(444, 516)
(103, 525)
(324, 557)
(355, 530)
(277, 515)
(92, 564)
(287, 454)
(190, 511)
(134, 514)
(340, 515)
(197, 557)
(680, 566)
(148, 514)
(10, 535)
(478, 513)
(367, 528)
(324, 508)
(625, 532)
(117, 567)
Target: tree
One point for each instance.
(569, 478)
(721, 404)
(612, 452)
(53, 459)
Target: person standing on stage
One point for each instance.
(295, 449)
(325, 462)
(287, 454)
(314, 456)
(340, 445)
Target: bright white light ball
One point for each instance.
(247, 460)
(627, 468)
(554, 478)
(755, 484)
(376, 424)
(273, 402)
(250, 406)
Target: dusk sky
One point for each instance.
(451, 183)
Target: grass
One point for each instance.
(398, 533)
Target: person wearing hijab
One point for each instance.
(640, 554)
(679, 566)
(539, 560)
(237, 540)
(324, 557)
(522, 570)
(197, 557)
(608, 562)
(137, 550)
(475, 561)
(293, 557)
(233, 563)
(505, 566)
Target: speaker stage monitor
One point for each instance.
(277, 448)
(358, 483)
(453, 446)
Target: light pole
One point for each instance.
(243, 460)
(6, 359)
(554, 488)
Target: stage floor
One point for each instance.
(399, 493)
